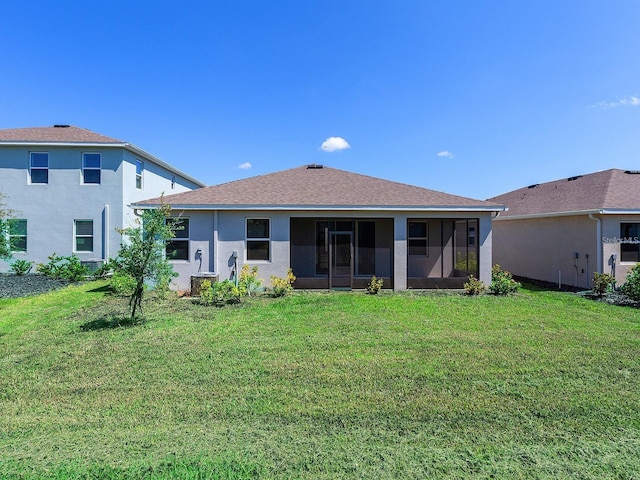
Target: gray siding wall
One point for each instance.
(229, 229)
(50, 209)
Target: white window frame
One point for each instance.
(139, 175)
(9, 236)
(181, 239)
(31, 168)
(257, 239)
(84, 168)
(76, 236)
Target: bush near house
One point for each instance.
(602, 283)
(631, 287)
(474, 286)
(502, 282)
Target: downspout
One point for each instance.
(106, 233)
(598, 267)
(215, 242)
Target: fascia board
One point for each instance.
(601, 211)
(325, 208)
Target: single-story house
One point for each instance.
(333, 228)
(564, 231)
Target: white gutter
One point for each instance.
(572, 213)
(397, 208)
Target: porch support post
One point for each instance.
(400, 252)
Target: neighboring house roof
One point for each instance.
(55, 134)
(70, 135)
(317, 187)
(609, 191)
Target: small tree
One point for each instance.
(5, 220)
(142, 258)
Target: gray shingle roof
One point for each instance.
(318, 187)
(609, 189)
(62, 134)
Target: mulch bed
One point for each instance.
(13, 286)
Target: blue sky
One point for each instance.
(469, 97)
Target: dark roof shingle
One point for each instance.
(61, 134)
(318, 187)
(609, 189)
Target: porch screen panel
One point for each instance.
(366, 248)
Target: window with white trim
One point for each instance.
(38, 167)
(17, 235)
(178, 247)
(91, 165)
(83, 232)
(139, 169)
(258, 239)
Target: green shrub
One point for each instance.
(375, 285)
(219, 293)
(602, 283)
(631, 287)
(249, 283)
(122, 284)
(474, 286)
(20, 267)
(281, 286)
(502, 282)
(67, 268)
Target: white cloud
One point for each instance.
(245, 166)
(333, 144)
(445, 153)
(632, 101)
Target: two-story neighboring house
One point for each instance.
(71, 187)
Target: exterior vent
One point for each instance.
(571, 179)
(61, 126)
(314, 166)
(535, 185)
(632, 172)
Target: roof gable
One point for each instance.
(315, 186)
(55, 134)
(608, 189)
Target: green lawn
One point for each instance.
(320, 385)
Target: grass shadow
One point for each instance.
(103, 289)
(107, 322)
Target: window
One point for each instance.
(17, 235)
(418, 238)
(39, 167)
(91, 164)
(258, 239)
(139, 167)
(178, 247)
(630, 242)
(84, 235)
(173, 182)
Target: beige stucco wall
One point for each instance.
(545, 248)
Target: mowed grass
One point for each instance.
(320, 385)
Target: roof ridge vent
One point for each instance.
(314, 166)
(632, 172)
(61, 126)
(571, 179)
